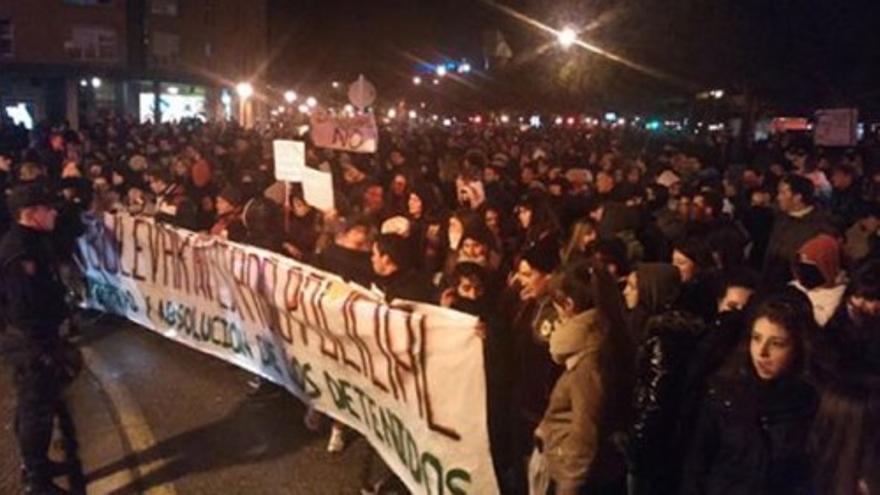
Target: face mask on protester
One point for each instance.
(808, 275)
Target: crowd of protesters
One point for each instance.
(660, 314)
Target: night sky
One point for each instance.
(794, 54)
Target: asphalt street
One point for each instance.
(156, 417)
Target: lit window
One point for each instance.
(7, 36)
(90, 43)
(164, 48)
(164, 7)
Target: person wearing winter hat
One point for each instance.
(818, 275)
(229, 224)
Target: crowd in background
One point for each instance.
(662, 314)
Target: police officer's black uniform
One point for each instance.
(32, 304)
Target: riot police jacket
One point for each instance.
(32, 297)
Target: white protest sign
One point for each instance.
(318, 189)
(290, 159)
(356, 134)
(409, 378)
(836, 127)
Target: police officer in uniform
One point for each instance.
(33, 307)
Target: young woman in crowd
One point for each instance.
(845, 441)
(576, 437)
(667, 339)
(751, 436)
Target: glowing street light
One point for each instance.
(311, 102)
(96, 82)
(417, 80)
(84, 83)
(244, 90)
(441, 70)
(303, 108)
(566, 37)
(290, 96)
(335, 84)
(464, 68)
(436, 81)
(392, 113)
(505, 119)
(413, 115)
(447, 122)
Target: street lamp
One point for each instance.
(441, 70)
(244, 90)
(311, 102)
(417, 80)
(290, 96)
(96, 82)
(566, 37)
(335, 84)
(392, 113)
(413, 114)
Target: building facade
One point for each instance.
(154, 59)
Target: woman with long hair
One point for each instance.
(538, 225)
(581, 244)
(751, 435)
(845, 441)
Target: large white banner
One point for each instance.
(410, 378)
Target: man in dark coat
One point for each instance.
(349, 255)
(847, 204)
(32, 303)
(396, 272)
(798, 221)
